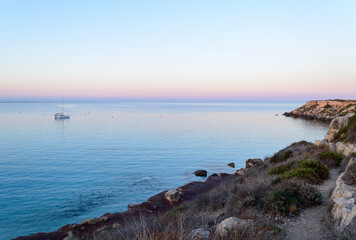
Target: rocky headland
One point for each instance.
(304, 191)
(323, 110)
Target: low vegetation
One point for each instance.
(283, 157)
(331, 159)
(291, 197)
(310, 170)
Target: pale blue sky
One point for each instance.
(178, 49)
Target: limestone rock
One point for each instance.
(241, 171)
(70, 236)
(344, 148)
(335, 126)
(252, 162)
(344, 197)
(172, 195)
(199, 234)
(231, 165)
(201, 173)
(230, 224)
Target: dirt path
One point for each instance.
(309, 225)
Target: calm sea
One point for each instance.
(56, 172)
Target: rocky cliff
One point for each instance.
(341, 138)
(323, 110)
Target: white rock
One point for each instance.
(172, 195)
(230, 224)
(335, 125)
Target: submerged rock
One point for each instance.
(201, 173)
(172, 195)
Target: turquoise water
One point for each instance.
(110, 154)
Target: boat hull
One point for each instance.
(61, 116)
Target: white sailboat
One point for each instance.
(61, 115)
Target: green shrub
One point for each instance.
(281, 168)
(278, 157)
(310, 170)
(292, 196)
(331, 159)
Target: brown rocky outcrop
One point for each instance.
(201, 173)
(323, 110)
(253, 162)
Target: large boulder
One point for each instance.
(344, 197)
(172, 195)
(253, 162)
(335, 126)
(199, 234)
(232, 224)
(201, 173)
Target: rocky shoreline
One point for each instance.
(323, 110)
(259, 182)
(155, 205)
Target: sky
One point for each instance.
(202, 49)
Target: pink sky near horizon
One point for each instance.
(185, 50)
